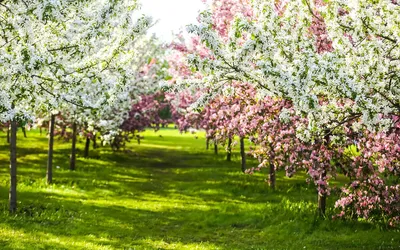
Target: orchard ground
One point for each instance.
(169, 192)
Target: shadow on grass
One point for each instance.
(162, 198)
(124, 227)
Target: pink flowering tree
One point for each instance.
(224, 12)
(333, 64)
(286, 49)
(146, 113)
(375, 169)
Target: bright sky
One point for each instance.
(172, 15)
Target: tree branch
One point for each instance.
(57, 96)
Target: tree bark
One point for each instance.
(24, 131)
(13, 167)
(94, 141)
(243, 154)
(72, 162)
(87, 145)
(62, 134)
(8, 135)
(215, 148)
(272, 176)
(207, 143)
(322, 199)
(229, 153)
(321, 205)
(49, 173)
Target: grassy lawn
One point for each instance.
(169, 192)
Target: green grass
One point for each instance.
(167, 193)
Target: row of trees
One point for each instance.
(313, 84)
(81, 64)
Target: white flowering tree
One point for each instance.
(124, 82)
(56, 54)
(336, 61)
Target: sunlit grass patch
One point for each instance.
(169, 192)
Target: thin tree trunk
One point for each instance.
(207, 143)
(63, 130)
(8, 134)
(72, 162)
(215, 148)
(229, 153)
(13, 167)
(94, 142)
(322, 199)
(24, 131)
(40, 130)
(272, 176)
(243, 154)
(87, 145)
(321, 205)
(49, 174)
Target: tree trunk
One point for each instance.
(272, 176)
(24, 131)
(13, 167)
(62, 134)
(94, 142)
(207, 143)
(49, 174)
(321, 205)
(215, 148)
(243, 154)
(229, 153)
(322, 199)
(87, 145)
(72, 162)
(8, 135)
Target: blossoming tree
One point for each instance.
(61, 53)
(335, 61)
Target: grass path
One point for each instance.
(167, 193)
